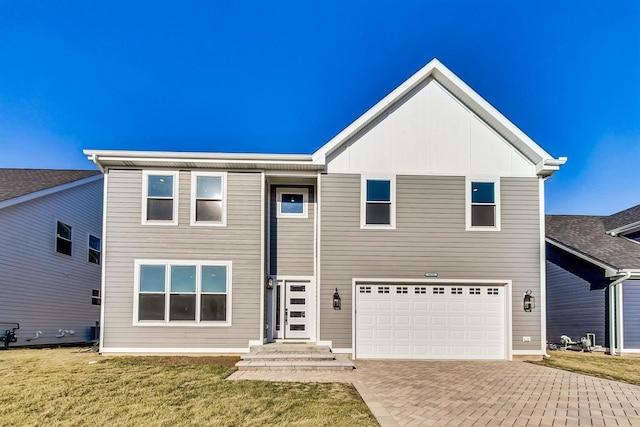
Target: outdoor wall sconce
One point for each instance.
(270, 282)
(529, 301)
(337, 302)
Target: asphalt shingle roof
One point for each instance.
(625, 217)
(19, 182)
(587, 235)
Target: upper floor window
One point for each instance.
(94, 249)
(183, 291)
(63, 238)
(160, 204)
(292, 202)
(208, 198)
(378, 203)
(483, 204)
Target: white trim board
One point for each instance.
(173, 350)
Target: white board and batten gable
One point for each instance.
(434, 124)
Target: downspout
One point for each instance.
(613, 326)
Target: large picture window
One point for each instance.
(378, 203)
(483, 204)
(208, 198)
(160, 205)
(183, 292)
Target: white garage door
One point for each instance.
(453, 321)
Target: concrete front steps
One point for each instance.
(288, 357)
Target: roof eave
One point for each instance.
(610, 270)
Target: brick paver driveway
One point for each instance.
(448, 393)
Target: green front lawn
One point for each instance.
(625, 369)
(65, 387)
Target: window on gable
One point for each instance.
(160, 204)
(63, 238)
(183, 292)
(292, 202)
(94, 249)
(378, 203)
(484, 205)
(208, 198)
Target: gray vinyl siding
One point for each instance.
(39, 288)
(429, 236)
(127, 240)
(291, 239)
(577, 298)
(631, 314)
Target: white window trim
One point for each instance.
(292, 190)
(363, 202)
(55, 241)
(181, 323)
(496, 188)
(145, 185)
(97, 236)
(194, 188)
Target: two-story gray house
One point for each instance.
(417, 232)
(50, 254)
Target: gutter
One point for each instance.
(615, 322)
(94, 158)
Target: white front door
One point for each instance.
(295, 309)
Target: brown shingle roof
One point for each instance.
(19, 182)
(587, 235)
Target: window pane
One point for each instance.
(483, 215)
(378, 191)
(64, 230)
(378, 213)
(94, 256)
(94, 243)
(214, 307)
(183, 278)
(152, 278)
(208, 210)
(214, 278)
(292, 203)
(159, 209)
(160, 186)
(63, 246)
(209, 187)
(182, 307)
(151, 307)
(482, 192)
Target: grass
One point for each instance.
(625, 369)
(67, 387)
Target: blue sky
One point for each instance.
(286, 76)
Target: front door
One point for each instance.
(294, 309)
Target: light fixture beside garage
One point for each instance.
(529, 301)
(337, 302)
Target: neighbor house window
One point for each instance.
(208, 198)
(94, 249)
(183, 292)
(95, 297)
(160, 205)
(292, 202)
(378, 203)
(63, 238)
(483, 207)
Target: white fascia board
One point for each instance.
(609, 269)
(625, 229)
(48, 191)
(478, 105)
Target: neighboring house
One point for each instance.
(414, 233)
(50, 253)
(593, 278)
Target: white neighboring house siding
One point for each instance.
(39, 288)
(431, 134)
